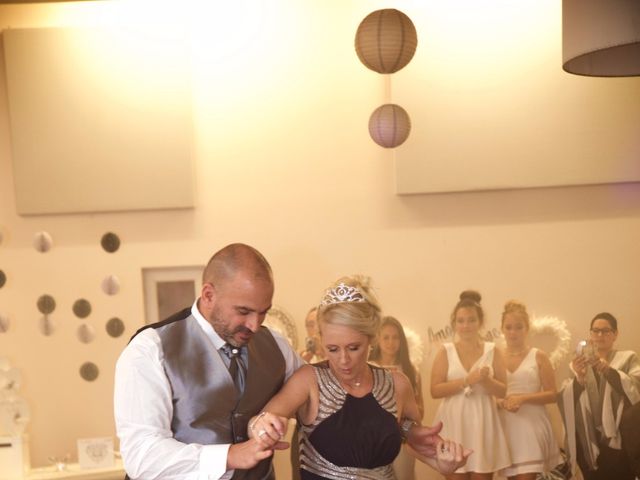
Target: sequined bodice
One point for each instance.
(351, 437)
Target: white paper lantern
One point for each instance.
(389, 125)
(111, 285)
(42, 242)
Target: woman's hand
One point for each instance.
(512, 403)
(600, 365)
(478, 375)
(450, 457)
(579, 366)
(268, 429)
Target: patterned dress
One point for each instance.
(351, 437)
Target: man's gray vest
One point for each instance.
(207, 408)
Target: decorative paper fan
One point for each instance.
(278, 320)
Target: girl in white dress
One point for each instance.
(530, 385)
(468, 374)
(392, 353)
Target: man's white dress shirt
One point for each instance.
(143, 412)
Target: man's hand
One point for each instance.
(450, 457)
(248, 454)
(425, 440)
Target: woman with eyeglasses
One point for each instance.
(606, 383)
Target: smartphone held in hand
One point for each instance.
(587, 349)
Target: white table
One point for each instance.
(74, 472)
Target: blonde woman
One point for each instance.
(530, 385)
(353, 415)
(467, 374)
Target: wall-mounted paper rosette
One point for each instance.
(280, 321)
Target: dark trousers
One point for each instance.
(612, 464)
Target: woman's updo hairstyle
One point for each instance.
(350, 302)
(468, 299)
(516, 308)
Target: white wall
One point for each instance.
(284, 163)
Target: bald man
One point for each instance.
(181, 406)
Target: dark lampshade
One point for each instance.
(601, 38)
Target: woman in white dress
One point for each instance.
(467, 375)
(530, 385)
(392, 352)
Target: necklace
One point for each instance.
(354, 384)
(361, 380)
(515, 354)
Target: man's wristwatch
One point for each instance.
(405, 426)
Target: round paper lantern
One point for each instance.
(115, 327)
(46, 304)
(81, 308)
(42, 242)
(111, 285)
(4, 323)
(47, 326)
(389, 125)
(110, 242)
(386, 40)
(86, 333)
(89, 371)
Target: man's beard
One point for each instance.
(222, 329)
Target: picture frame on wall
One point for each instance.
(167, 290)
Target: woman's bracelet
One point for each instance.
(465, 384)
(255, 420)
(405, 426)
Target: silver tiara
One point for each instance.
(342, 293)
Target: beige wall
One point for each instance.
(284, 162)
